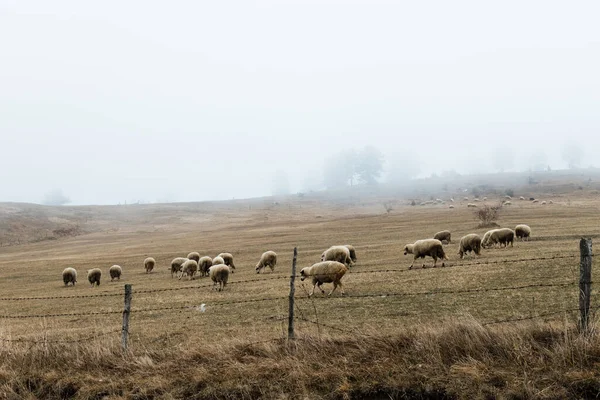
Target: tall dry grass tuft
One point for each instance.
(458, 358)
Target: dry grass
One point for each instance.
(410, 345)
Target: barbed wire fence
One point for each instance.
(584, 285)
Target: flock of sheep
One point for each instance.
(471, 243)
(333, 266)
(335, 261)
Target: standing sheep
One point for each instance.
(218, 260)
(502, 236)
(94, 276)
(325, 272)
(522, 232)
(426, 247)
(69, 275)
(219, 274)
(177, 264)
(469, 243)
(194, 255)
(115, 272)
(471, 205)
(189, 268)
(268, 259)
(443, 235)
(228, 260)
(149, 264)
(337, 253)
(204, 264)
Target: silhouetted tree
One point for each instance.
(572, 153)
(369, 165)
(340, 170)
(56, 198)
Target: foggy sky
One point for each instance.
(182, 101)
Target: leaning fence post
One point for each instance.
(292, 291)
(585, 282)
(126, 313)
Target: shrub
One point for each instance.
(487, 215)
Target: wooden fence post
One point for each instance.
(585, 282)
(126, 313)
(291, 335)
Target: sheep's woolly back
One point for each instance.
(219, 274)
(189, 268)
(94, 276)
(69, 276)
(502, 236)
(522, 231)
(337, 253)
(149, 264)
(194, 255)
(177, 264)
(115, 272)
(428, 247)
(470, 242)
(443, 235)
(218, 260)
(324, 271)
(267, 259)
(227, 259)
(204, 264)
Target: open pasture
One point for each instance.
(381, 293)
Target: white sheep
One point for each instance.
(189, 268)
(219, 275)
(502, 236)
(521, 198)
(426, 247)
(469, 243)
(115, 272)
(204, 264)
(69, 275)
(522, 232)
(228, 260)
(507, 203)
(443, 235)
(268, 259)
(450, 206)
(471, 205)
(218, 261)
(337, 253)
(325, 272)
(543, 203)
(94, 276)
(149, 264)
(466, 198)
(194, 255)
(177, 264)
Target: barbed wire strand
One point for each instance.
(45, 341)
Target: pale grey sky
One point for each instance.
(121, 101)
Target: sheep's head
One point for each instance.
(408, 249)
(303, 274)
(323, 256)
(258, 268)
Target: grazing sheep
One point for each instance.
(189, 268)
(440, 201)
(484, 198)
(426, 247)
(443, 235)
(352, 252)
(337, 253)
(535, 201)
(521, 198)
(543, 203)
(194, 255)
(475, 199)
(228, 260)
(452, 199)
(450, 206)
(507, 197)
(471, 205)
(522, 232)
(69, 276)
(219, 274)
(325, 272)
(507, 203)
(469, 243)
(218, 260)
(115, 272)
(176, 265)
(502, 236)
(466, 198)
(149, 264)
(550, 202)
(94, 275)
(204, 264)
(268, 259)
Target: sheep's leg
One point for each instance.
(335, 285)
(320, 284)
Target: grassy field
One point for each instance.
(396, 333)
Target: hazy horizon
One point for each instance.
(122, 102)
